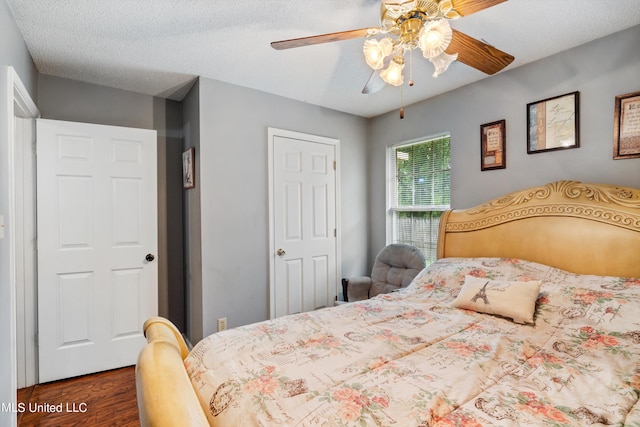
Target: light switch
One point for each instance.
(1, 226)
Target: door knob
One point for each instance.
(281, 252)
(149, 257)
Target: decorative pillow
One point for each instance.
(516, 300)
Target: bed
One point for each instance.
(530, 316)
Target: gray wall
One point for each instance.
(13, 52)
(70, 100)
(599, 70)
(234, 193)
(192, 226)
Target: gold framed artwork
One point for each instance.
(553, 123)
(626, 126)
(493, 153)
(188, 168)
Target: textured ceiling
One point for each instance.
(158, 47)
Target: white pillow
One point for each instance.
(516, 300)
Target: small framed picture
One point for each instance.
(553, 124)
(626, 126)
(493, 149)
(188, 168)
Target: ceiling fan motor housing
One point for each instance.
(406, 18)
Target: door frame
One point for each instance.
(25, 237)
(20, 104)
(271, 134)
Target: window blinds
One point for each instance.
(418, 192)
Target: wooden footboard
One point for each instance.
(166, 397)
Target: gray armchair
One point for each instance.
(395, 267)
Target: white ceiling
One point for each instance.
(158, 47)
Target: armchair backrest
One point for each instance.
(396, 265)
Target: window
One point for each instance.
(419, 181)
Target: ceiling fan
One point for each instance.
(409, 24)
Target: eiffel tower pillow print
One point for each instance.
(511, 299)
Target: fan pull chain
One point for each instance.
(410, 84)
(411, 67)
(401, 103)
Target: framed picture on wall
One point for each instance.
(188, 168)
(626, 126)
(493, 153)
(553, 124)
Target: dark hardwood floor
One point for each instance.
(97, 400)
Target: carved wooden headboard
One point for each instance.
(578, 227)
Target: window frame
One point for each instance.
(392, 207)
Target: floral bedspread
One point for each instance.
(410, 359)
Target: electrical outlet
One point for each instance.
(222, 324)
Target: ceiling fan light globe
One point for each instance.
(446, 10)
(452, 14)
(376, 50)
(393, 73)
(399, 6)
(434, 38)
(441, 62)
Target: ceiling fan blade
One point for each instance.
(374, 84)
(324, 38)
(477, 54)
(467, 7)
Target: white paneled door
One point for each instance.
(304, 216)
(97, 241)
